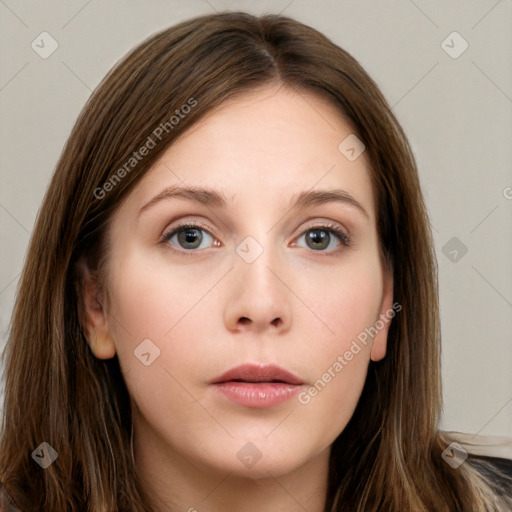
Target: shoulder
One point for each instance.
(6, 502)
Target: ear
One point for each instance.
(386, 313)
(95, 316)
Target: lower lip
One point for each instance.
(258, 396)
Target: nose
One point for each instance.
(258, 297)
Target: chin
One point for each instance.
(248, 463)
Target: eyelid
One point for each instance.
(182, 224)
(339, 231)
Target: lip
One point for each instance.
(255, 373)
(257, 385)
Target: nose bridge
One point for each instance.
(259, 297)
(257, 258)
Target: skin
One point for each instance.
(294, 306)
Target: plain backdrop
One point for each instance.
(454, 102)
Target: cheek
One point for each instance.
(145, 305)
(166, 314)
(150, 296)
(338, 358)
(349, 302)
(149, 324)
(330, 400)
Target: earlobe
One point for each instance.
(382, 323)
(95, 318)
(102, 346)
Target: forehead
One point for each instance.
(272, 142)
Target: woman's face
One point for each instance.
(260, 280)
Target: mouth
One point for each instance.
(259, 373)
(257, 386)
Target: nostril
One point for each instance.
(244, 320)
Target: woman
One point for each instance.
(243, 176)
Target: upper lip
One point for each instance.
(251, 372)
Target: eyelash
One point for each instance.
(331, 228)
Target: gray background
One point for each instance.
(455, 111)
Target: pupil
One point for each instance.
(188, 236)
(318, 236)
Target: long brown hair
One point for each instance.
(388, 457)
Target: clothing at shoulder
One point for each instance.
(498, 470)
(6, 502)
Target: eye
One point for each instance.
(188, 236)
(320, 238)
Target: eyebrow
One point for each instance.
(210, 197)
